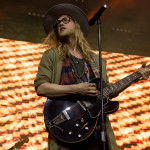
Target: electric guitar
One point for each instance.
(19, 144)
(73, 120)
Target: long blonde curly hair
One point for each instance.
(52, 40)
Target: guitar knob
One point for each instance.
(82, 120)
(86, 128)
(70, 133)
(77, 125)
(79, 135)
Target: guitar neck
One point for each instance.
(121, 85)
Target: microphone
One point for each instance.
(97, 15)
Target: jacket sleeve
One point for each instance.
(44, 70)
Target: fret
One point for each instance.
(118, 85)
(121, 82)
(112, 88)
(115, 85)
(128, 78)
(134, 75)
(106, 91)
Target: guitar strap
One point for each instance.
(95, 68)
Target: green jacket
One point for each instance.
(49, 71)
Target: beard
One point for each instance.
(65, 34)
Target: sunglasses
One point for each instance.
(65, 20)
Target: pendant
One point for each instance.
(85, 72)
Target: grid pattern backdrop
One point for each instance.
(21, 110)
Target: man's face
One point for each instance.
(65, 26)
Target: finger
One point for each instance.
(86, 84)
(93, 85)
(143, 65)
(145, 72)
(142, 73)
(93, 92)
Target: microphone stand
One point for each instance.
(102, 124)
(92, 21)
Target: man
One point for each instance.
(68, 66)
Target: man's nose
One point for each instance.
(60, 23)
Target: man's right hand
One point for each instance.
(87, 89)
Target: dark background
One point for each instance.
(125, 24)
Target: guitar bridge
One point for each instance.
(82, 106)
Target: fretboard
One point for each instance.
(122, 84)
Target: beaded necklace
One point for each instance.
(71, 57)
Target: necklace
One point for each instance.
(74, 61)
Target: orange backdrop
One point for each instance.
(21, 110)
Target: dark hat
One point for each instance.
(66, 9)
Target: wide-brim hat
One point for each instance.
(66, 9)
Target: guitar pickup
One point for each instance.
(81, 105)
(64, 112)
